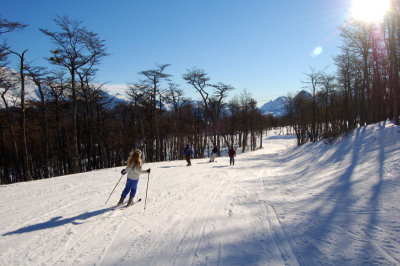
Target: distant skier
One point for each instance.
(232, 155)
(188, 154)
(134, 169)
(214, 154)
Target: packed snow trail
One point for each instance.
(318, 204)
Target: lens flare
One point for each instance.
(317, 51)
(370, 11)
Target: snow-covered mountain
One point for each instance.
(317, 204)
(275, 107)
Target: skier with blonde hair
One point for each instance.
(133, 170)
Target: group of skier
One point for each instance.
(188, 152)
(134, 166)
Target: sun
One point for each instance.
(370, 11)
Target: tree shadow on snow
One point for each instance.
(57, 221)
(336, 214)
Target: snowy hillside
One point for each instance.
(318, 204)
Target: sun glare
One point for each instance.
(369, 10)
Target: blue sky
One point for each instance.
(263, 46)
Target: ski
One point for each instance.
(133, 203)
(126, 205)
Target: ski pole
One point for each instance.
(145, 201)
(114, 189)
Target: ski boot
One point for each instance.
(130, 202)
(121, 201)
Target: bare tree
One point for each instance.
(327, 86)
(357, 36)
(199, 80)
(137, 94)
(175, 97)
(27, 172)
(346, 77)
(7, 84)
(7, 27)
(246, 102)
(57, 84)
(312, 82)
(220, 93)
(392, 42)
(154, 77)
(75, 48)
(38, 75)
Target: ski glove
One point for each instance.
(123, 171)
(148, 170)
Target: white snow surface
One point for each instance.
(317, 204)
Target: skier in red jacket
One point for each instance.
(232, 155)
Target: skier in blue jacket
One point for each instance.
(188, 154)
(133, 170)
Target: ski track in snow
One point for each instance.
(317, 204)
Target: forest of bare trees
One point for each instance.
(364, 89)
(75, 127)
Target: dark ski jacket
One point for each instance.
(231, 152)
(187, 151)
(215, 150)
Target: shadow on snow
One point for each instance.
(57, 221)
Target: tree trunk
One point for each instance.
(75, 165)
(27, 172)
(45, 132)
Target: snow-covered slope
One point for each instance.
(318, 204)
